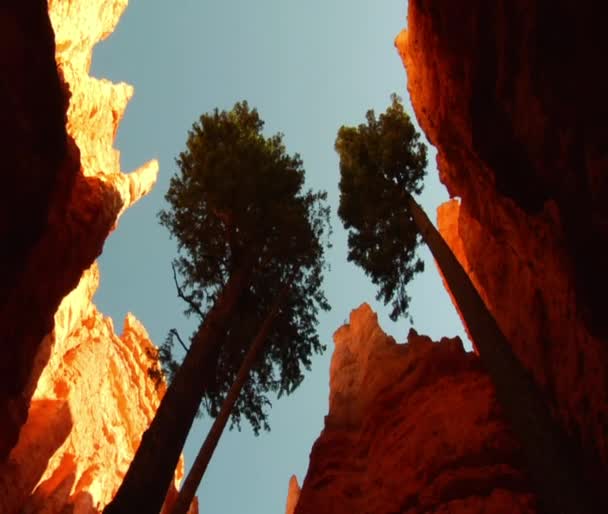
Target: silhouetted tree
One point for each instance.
(382, 163)
(244, 226)
(379, 162)
(199, 466)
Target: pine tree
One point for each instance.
(379, 161)
(244, 224)
(382, 164)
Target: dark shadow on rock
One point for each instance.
(53, 221)
(48, 425)
(33, 138)
(53, 495)
(36, 160)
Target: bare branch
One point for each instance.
(175, 333)
(180, 293)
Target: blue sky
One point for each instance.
(308, 67)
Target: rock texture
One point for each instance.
(39, 170)
(63, 189)
(74, 397)
(93, 401)
(293, 495)
(511, 95)
(411, 428)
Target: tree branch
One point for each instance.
(175, 333)
(180, 293)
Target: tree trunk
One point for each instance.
(147, 481)
(553, 464)
(192, 481)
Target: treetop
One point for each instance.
(239, 196)
(381, 161)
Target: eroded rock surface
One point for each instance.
(293, 495)
(63, 187)
(92, 402)
(411, 428)
(511, 96)
(74, 397)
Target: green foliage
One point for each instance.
(238, 194)
(164, 364)
(166, 356)
(379, 161)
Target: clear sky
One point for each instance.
(309, 67)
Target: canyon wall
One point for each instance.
(64, 190)
(511, 96)
(92, 402)
(411, 428)
(74, 397)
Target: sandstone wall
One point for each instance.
(411, 428)
(93, 401)
(511, 96)
(63, 187)
(74, 397)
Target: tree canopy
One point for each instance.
(379, 161)
(238, 195)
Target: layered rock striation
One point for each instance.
(511, 96)
(92, 402)
(411, 428)
(63, 187)
(74, 397)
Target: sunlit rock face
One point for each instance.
(511, 95)
(74, 397)
(92, 402)
(63, 189)
(411, 428)
(293, 495)
(39, 172)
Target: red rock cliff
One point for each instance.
(411, 428)
(74, 397)
(513, 98)
(92, 402)
(511, 95)
(63, 189)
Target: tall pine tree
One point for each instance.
(382, 164)
(244, 225)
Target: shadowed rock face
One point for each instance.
(36, 156)
(411, 428)
(74, 397)
(63, 189)
(39, 169)
(512, 96)
(92, 402)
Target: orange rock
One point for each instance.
(411, 428)
(96, 105)
(92, 402)
(293, 495)
(40, 166)
(65, 187)
(89, 393)
(527, 225)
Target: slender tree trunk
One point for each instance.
(147, 481)
(553, 464)
(192, 481)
